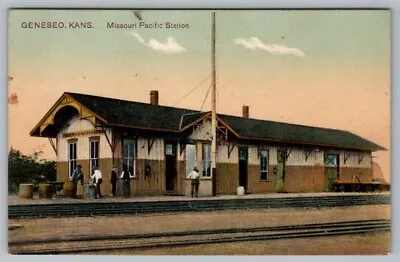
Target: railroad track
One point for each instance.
(93, 244)
(134, 208)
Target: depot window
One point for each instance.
(93, 154)
(72, 157)
(264, 164)
(206, 160)
(130, 155)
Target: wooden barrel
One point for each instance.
(69, 189)
(26, 190)
(45, 190)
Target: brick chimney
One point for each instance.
(154, 97)
(245, 111)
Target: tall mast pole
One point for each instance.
(213, 113)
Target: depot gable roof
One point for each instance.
(131, 114)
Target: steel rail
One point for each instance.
(202, 232)
(173, 239)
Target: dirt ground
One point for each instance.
(115, 225)
(372, 243)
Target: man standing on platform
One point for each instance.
(113, 180)
(77, 175)
(126, 176)
(195, 177)
(98, 179)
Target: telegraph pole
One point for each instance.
(213, 113)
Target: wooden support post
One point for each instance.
(213, 112)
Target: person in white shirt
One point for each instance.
(97, 179)
(126, 176)
(195, 177)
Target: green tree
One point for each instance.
(28, 169)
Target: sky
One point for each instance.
(328, 68)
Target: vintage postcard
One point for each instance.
(199, 132)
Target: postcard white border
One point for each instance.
(209, 4)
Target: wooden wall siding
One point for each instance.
(222, 154)
(352, 158)
(227, 178)
(62, 171)
(349, 174)
(157, 151)
(297, 179)
(142, 185)
(253, 155)
(255, 185)
(62, 148)
(105, 166)
(118, 152)
(199, 156)
(205, 188)
(297, 157)
(181, 156)
(76, 124)
(180, 178)
(203, 132)
(304, 179)
(153, 184)
(273, 157)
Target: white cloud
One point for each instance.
(170, 46)
(253, 43)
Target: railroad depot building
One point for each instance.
(161, 145)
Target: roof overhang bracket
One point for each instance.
(360, 157)
(53, 145)
(288, 153)
(230, 149)
(346, 156)
(308, 153)
(112, 145)
(150, 143)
